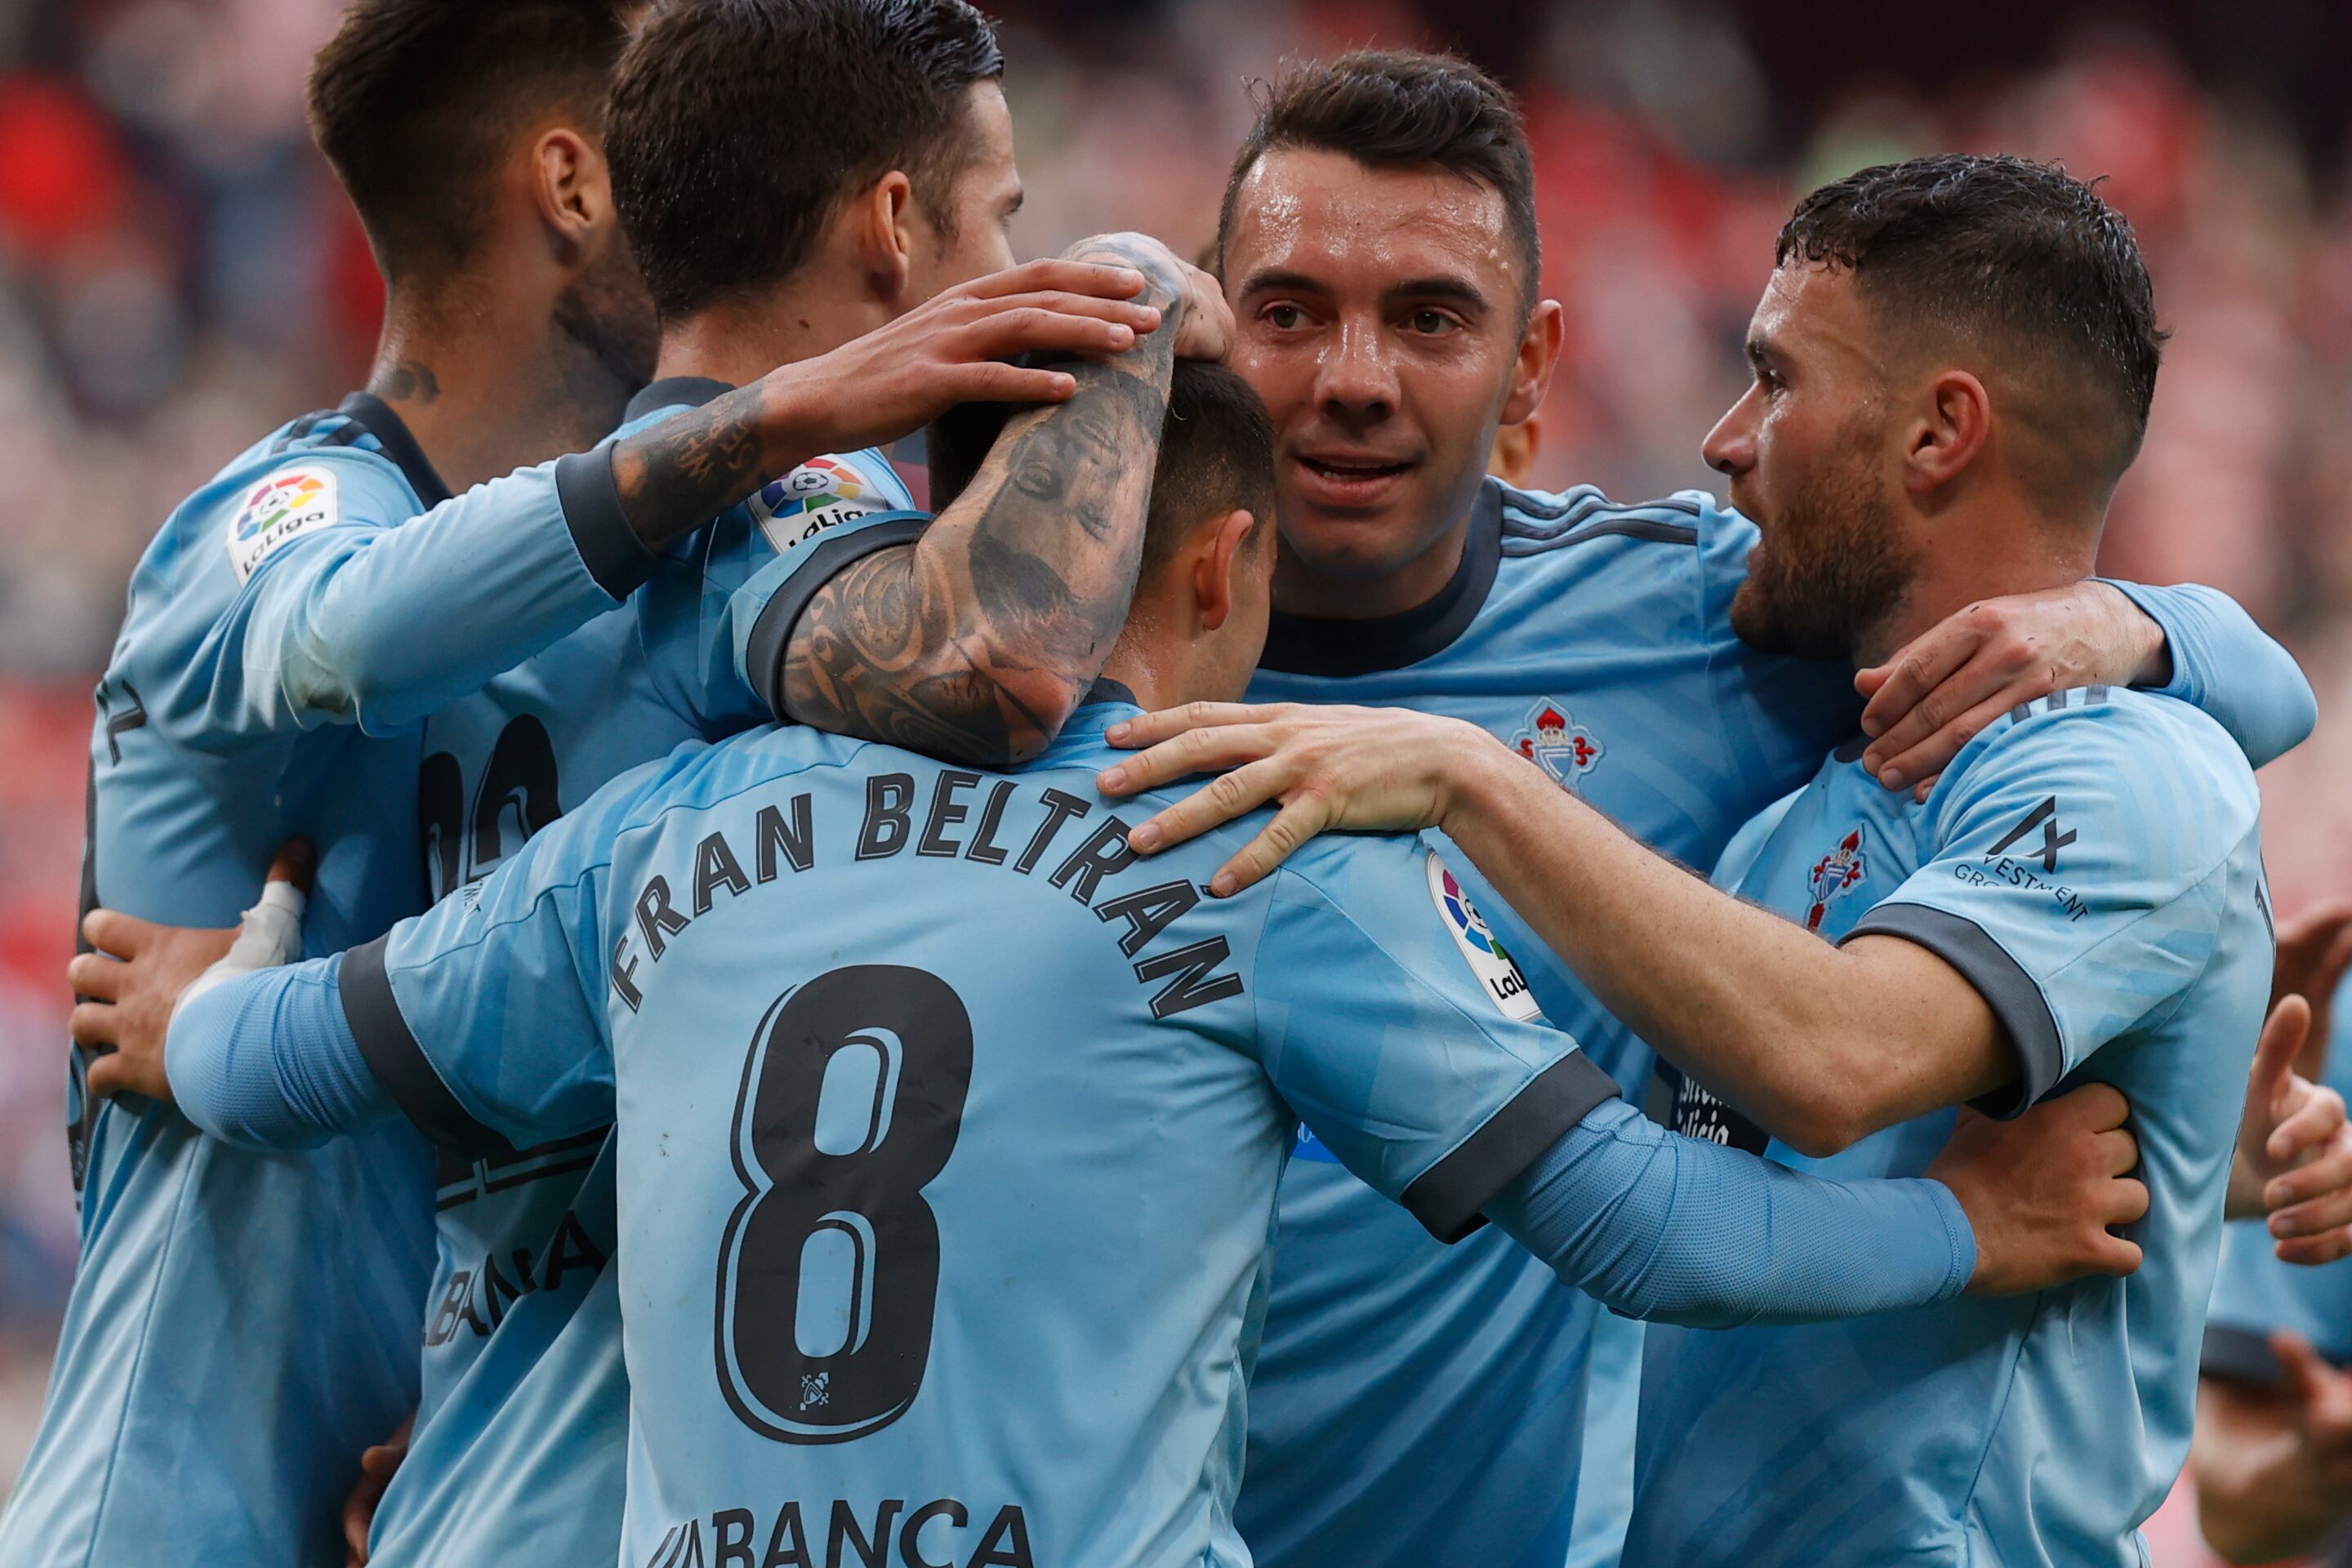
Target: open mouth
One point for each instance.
(1350, 477)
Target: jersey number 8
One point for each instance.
(852, 1098)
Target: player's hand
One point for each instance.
(376, 1467)
(2041, 1190)
(956, 348)
(1951, 680)
(1359, 770)
(2294, 1161)
(142, 971)
(2321, 1395)
(1204, 323)
(2314, 949)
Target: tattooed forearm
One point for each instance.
(675, 476)
(976, 642)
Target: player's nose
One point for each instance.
(1356, 377)
(1730, 446)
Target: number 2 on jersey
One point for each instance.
(829, 1270)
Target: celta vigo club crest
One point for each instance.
(1557, 743)
(1835, 875)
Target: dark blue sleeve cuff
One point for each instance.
(615, 557)
(772, 630)
(400, 1064)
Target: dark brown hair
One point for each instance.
(415, 102)
(1401, 110)
(2015, 255)
(738, 127)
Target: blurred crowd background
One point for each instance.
(178, 274)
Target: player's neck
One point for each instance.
(480, 409)
(1300, 590)
(739, 343)
(1982, 558)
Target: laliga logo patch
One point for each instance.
(1557, 743)
(822, 493)
(1835, 875)
(275, 510)
(1494, 966)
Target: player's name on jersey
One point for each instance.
(1018, 827)
(892, 1533)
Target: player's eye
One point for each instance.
(1430, 323)
(1284, 317)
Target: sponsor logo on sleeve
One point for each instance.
(1498, 971)
(286, 503)
(822, 493)
(1556, 743)
(2027, 858)
(1835, 875)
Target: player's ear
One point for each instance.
(572, 188)
(884, 234)
(1948, 433)
(1539, 353)
(1220, 552)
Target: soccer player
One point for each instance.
(517, 1447)
(949, 1141)
(1953, 364)
(1415, 1402)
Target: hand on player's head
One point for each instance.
(142, 971)
(2041, 1191)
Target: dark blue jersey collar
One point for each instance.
(374, 415)
(673, 390)
(1303, 645)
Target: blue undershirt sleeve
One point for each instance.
(268, 1061)
(1657, 1226)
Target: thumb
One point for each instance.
(2274, 1053)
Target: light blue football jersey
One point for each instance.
(2092, 866)
(2255, 1295)
(519, 1449)
(1425, 1406)
(948, 1130)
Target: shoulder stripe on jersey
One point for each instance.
(1447, 1197)
(1630, 527)
(2059, 701)
(1531, 526)
(400, 1064)
(299, 430)
(2013, 995)
(1583, 498)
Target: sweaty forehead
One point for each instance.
(1814, 311)
(1327, 217)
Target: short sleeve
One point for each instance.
(1402, 1033)
(2076, 870)
(485, 1016)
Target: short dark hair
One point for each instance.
(1401, 109)
(2018, 257)
(738, 127)
(1216, 453)
(413, 101)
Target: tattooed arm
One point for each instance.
(978, 640)
(675, 477)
